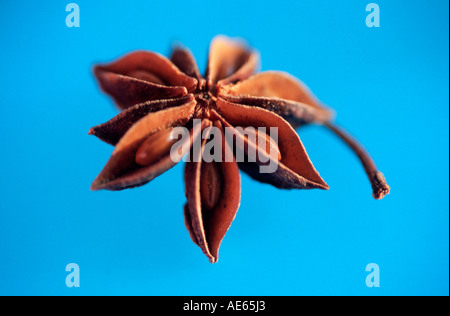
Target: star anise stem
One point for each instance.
(379, 186)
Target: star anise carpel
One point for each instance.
(156, 95)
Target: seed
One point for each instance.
(145, 75)
(154, 147)
(210, 184)
(270, 148)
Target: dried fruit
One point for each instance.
(157, 94)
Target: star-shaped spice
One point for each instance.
(158, 94)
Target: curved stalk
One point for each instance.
(379, 186)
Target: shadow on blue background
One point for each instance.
(388, 85)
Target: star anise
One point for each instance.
(157, 94)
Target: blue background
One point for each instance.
(388, 85)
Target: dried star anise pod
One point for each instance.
(158, 94)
